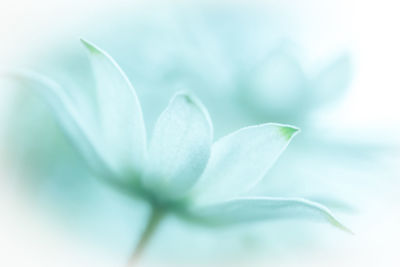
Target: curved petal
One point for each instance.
(180, 147)
(239, 160)
(279, 83)
(76, 125)
(333, 81)
(266, 208)
(120, 114)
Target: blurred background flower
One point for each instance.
(310, 64)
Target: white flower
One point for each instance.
(181, 170)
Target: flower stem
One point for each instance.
(154, 220)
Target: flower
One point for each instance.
(237, 58)
(181, 170)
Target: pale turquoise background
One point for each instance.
(216, 52)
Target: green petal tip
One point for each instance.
(288, 131)
(189, 98)
(90, 46)
(337, 224)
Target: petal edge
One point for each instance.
(246, 209)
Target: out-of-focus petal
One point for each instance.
(78, 127)
(333, 81)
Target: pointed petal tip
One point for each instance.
(188, 97)
(288, 131)
(192, 100)
(90, 46)
(340, 226)
(330, 217)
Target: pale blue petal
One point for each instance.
(180, 147)
(249, 209)
(239, 160)
(120, 114)
(333, 81)
(278, 84)
(78, 127)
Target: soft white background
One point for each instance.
(369, 28)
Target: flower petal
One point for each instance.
(278, 85)
(180, 147)
(76, 125)
(333, 81)
(239, 160)
(266, 208)
(120, 114)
